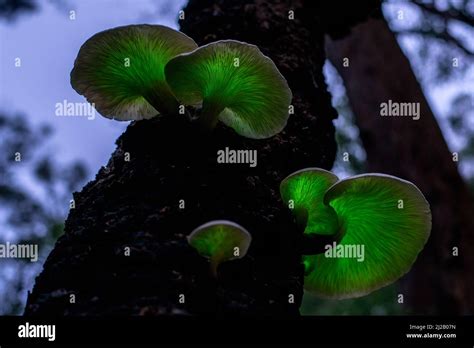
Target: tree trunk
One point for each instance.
(415, 150)
(136, 204)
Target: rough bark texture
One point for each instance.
(136, 204)
(414, 150)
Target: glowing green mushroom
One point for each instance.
(233, 82)
(121, 70)
(220, 241)
(383, 223)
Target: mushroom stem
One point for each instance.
(312, 243)
(214, 263)
(163, 100)
(209, 114)
(308, 265)
(301, 215)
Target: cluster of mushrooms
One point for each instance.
(138, 71)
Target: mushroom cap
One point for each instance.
(117, 91)
(390, 217)
(306, 188)
(217, 240)
(254, 97)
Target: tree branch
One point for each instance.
(449, 14)
(443, 35)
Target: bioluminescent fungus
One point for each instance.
(233, 82)
(382, 223)
(121, 70)
(220, 241)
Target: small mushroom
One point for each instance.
(220, 241)
(121, 70)
(233, 82)
(386, 215)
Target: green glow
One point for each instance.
(308, 265)
(371, 212)
(234, 82)
(306, 188)
(121, 70)
(218, 240)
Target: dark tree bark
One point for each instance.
(416, 151)
(136, 204)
